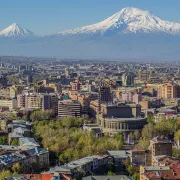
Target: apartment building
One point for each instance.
(87, 164)
(33, 101)
(168, 90)
(143, 75)
(38, 101)
(131, 97)
(10, 103)
(160, 146)
(69, 108)
(25, 157)
(85, 98)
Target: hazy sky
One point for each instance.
(50, 16)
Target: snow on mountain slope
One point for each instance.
(129, 20)
(14, 30)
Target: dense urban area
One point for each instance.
(90, 120)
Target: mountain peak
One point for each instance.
(129, 20)
(14, 30)
(131, 9)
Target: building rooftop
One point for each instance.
(125, 119)
(8, 147)
(20, 130)
(161, 139)
(74, 164)
(69, 101)
(120, 154)
(15, 135)
(156, 168)
(28, 142)
(18, 177)
(10, 158)
(115, 177)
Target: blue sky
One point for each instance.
(50, 16)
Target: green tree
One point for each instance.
(81, 172)
(110, 173)
(137, 135)
(136, 176)
(4, 174)
(16, 168)
(66, 138)
(65, 157)
(129, 169)
(177, 136)
(13, 79)
(3, 140)
(131, 137)
(127, 162)
(148, 131)
(15, 142)
(119, 137)
(150, 119)
(39, 115)
(164, 127)
(12, 116)
(176, 152)
(142, 145)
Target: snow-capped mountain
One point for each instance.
(129, 20)
(130, 33)
(14, 30)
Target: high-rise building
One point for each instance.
(143, 75)
(127, 79)
(29, 79)
(69, 108)
(105, 95)
(38, 101)
(67, 72)
(169, 90)
(3, 80)
(45, 102)
(54, 102)
(20, 100)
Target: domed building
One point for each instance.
(121, 117)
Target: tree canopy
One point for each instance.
(66, 138)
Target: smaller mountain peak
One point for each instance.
(14, 24)
(15, 30)
(14, 27)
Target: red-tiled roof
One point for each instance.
(175, 166)
(170, 174)
(153, 175)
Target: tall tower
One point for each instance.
(67, 73)
(105, 95)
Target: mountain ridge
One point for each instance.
(130, 20)
(127, 20)
(130, 33)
